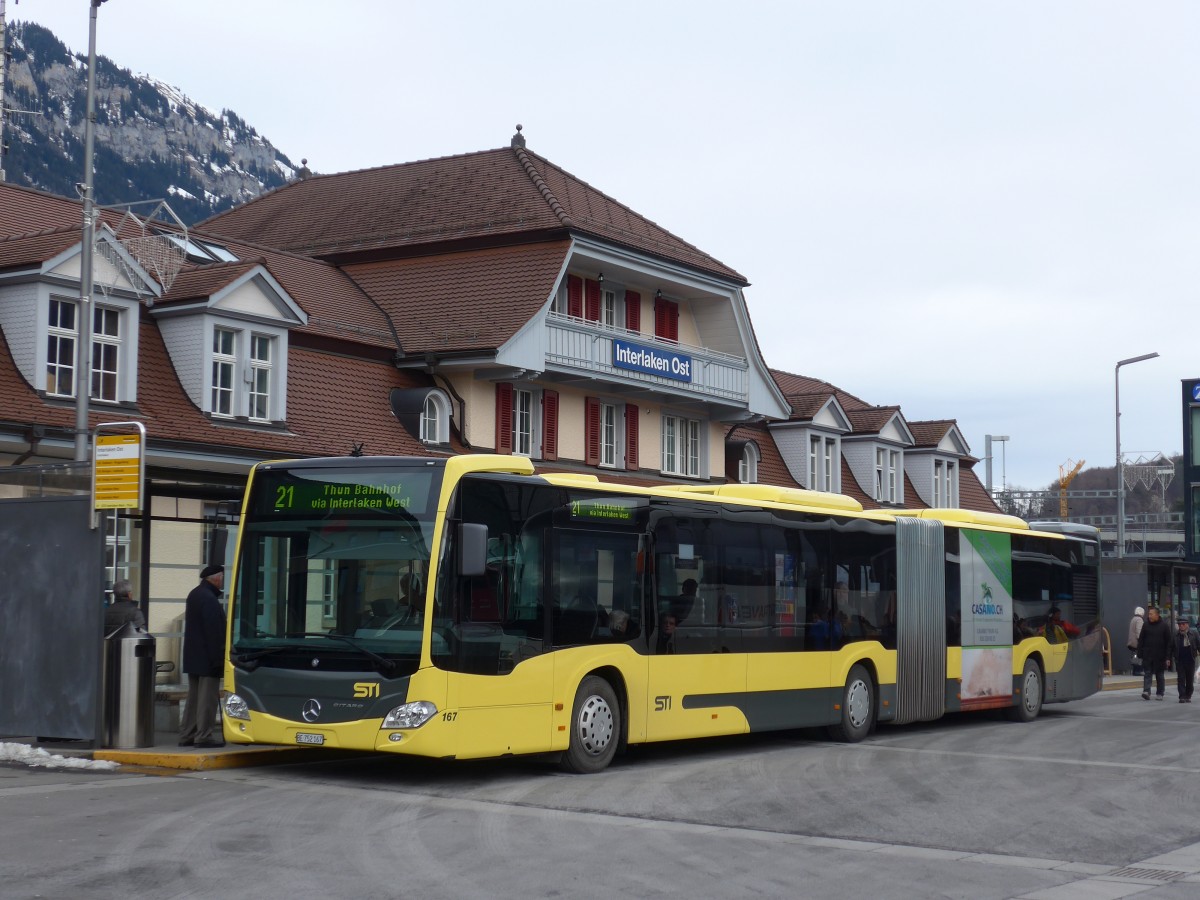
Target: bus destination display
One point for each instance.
(328, 492)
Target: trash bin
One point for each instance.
(129, 668)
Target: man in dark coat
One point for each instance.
(203, 659)
(1187, 646)
(123, 609)
(1154, 647)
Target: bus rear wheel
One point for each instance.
(858, 707)
(1029, 704)
(595, 727)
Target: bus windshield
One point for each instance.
(334, 559)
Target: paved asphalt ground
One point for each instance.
(1094, 800)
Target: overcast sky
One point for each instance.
(971, 210)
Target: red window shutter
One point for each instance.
(591, 453)
(631, 437)
(592, 313)
(633, 311)
(666, 319)
(575, 296)
(504, 417)
(549, 424)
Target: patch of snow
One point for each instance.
(180, 192)
(38, 757)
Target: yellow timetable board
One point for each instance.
(118, 471)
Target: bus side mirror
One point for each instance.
(472, 549)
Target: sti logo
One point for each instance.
(366, 689)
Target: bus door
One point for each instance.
(491, 629)
(922, 602)
(697, 671)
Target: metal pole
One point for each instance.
(1120, 464)
(987, 455)
(3, 37)
(83, 353)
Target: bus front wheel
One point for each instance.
(858, 707)
(1029, 704)
(595, 727)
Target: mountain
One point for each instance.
(151, 141)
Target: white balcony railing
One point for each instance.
(588, 346)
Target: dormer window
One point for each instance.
(887, 467)
(113, 350)
(945, 484)
(748, 464)
(823, 470)
(245, 377)
(435, 419)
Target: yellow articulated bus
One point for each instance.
(469, 607)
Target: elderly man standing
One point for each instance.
(123, 609)
(1187, 646)
(203, 659)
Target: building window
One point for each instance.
(748, 465)
(522, 424)
(680, 446)
(249, 373)
(430, 422)
(822, 464)
(435, 419)
(886, 463)
(260, 377)
(117, 544)
(60, 350)
(608, 308)
(943, 484)
(224, 361)
(62, 343)
(608, 435)
(106, 349)
(666, 319)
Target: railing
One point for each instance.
(588, 346)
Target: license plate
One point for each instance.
(305, 738)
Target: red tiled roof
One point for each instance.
(438, 302)
(506, 194)
(771, 467)
(25, 211)
(199, 282)
(971, 492)
(930, 433)
(871, 419)
(804, 386)
(34, 249)
(330, 406)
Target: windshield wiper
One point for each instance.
(387, 665)
(248, 660)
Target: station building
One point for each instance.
(486, 302)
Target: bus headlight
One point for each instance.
(410, 715)
(236, 708)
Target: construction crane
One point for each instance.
(1064, 479)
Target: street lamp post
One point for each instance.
(83, 353)
(1120, 464)
(987, 452)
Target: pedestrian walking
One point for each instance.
(1187, 648)
(1135, 632)
(203, 658)
(1154, 647)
